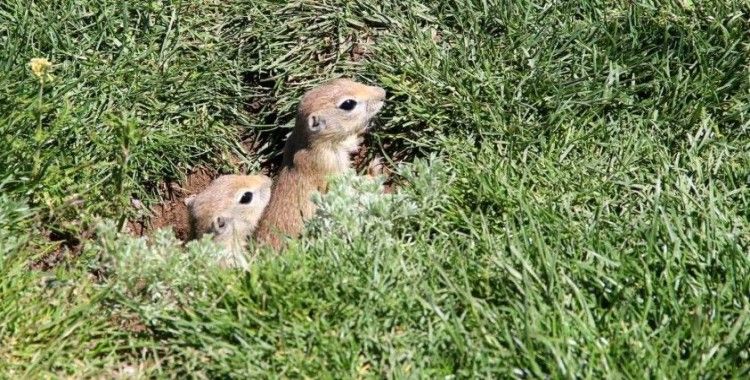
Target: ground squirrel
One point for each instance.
(330, 121)
(229, 209)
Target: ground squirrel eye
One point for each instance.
(246, 198)
(348, 104)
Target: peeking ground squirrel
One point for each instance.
(229, 209)
(330, 121)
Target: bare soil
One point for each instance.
(173, 212)
(66, 246)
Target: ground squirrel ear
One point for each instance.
(189, 200)
(315, 123)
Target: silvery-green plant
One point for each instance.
(157, 270)
(357, 206)
(356, 211)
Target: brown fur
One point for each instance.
(217, 210)
(319, 146)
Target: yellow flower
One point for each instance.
(41, 67)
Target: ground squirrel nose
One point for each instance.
(220, 223)
(380, 93)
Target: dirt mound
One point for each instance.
(173, 212)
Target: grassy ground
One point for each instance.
(573, 201)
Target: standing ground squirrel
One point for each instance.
(229, 208)
(330, 120)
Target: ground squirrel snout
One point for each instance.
(330, 121)
(229, 209)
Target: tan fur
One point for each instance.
(217, 210)
(312, 154)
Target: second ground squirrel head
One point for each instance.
(229, 208)
(337, 110)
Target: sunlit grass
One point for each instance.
(573, 203)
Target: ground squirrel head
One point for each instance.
(337, 110)
(229, 208)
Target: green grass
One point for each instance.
(573, 196)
